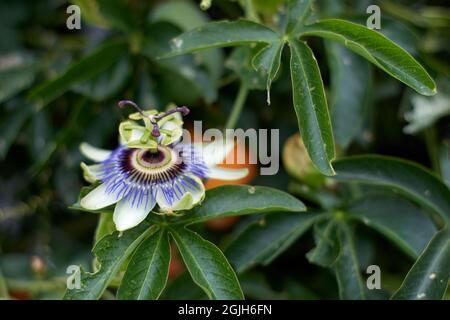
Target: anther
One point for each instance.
(124, 103)
(155, 130)
(183, 110)
(154, 118)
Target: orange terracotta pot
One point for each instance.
(230, 162)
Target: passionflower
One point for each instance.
(152, 169)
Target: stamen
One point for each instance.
(124, 103)
(139, 175)
(154, 118)
(155, 130)
(183, 110)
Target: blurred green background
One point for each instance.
(114, 56)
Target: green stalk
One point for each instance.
(250, 12)
(237, 107)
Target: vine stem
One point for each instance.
(250, 12)
(237, 107)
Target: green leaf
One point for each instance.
(240, 61)
(83, 70)
(346, 266)
(111, 252)
(298, 12)
(326, 250)
(397, 219)
(188, 79)
(183, 78)
(91, 12)
(376, 48)
(105, 226)
(400, 33)
(221, 34)
(106, 84)
(38, 131)
(321, 197)
(148, 269)
(351, 87)
(310, 105)
(407, 177)
(183, 288)
(145, 94)
(233, 200)
(266, 238)
(15, 75)
(269, 60)
(59, 139)
(430, 274)
(207, 265)
(183, 14)
(83, 192)
(119, 14)
(187, 16)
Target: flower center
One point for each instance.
(140, 173)
(154, 160)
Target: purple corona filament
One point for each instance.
(127, 180)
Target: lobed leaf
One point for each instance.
(327, 248)
(111, 252)
(269, 60)
(346, 266)
(297, 12)
(148, 270)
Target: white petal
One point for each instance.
(198, 194)
(91, 173)
(128, 215)
(93, 153)
(215, 152)
(99, 198)
(226, 174)
(187, 201)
